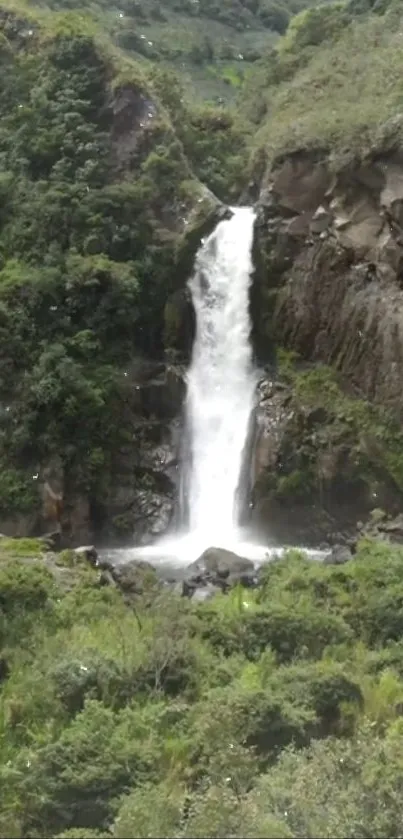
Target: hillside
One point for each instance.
(332, 83)
(221, 699)
(129, 711)
(210, 44)
(101, 215)
(326, 171)
(110, 176)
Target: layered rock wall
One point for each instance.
(329, 255)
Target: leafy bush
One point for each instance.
(304, 94)
(129, 716)
(24, 587)
(305, 632)
(337, 788)
(75, 780)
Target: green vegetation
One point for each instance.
(377, 436)
(268, 712)
(208, 43)
(99, 221)
(332, 438)
(196, 38)
(96, 227)
(331, 83)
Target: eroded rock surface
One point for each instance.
(319, 464)
(329, 255)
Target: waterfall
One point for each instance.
(221, 381)
(219, 405)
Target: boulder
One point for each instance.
(218, 568)
(87, 552)
(382, 527)
(134, 577)
(53, 541)
(339, 555)
(200, 595)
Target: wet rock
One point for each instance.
(179, 321)
(393, 529)
(308, 483)
(139, 503)
(203, 593)
(220, 569)
(151, 515)
(339, 555)
(163, 395)
(53, 541)
(134, 577)
(88, 553)
(51, 490)
(106, 579)
(77, 523)
(382, 527)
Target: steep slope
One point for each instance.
(330, 152)
(100, 217)
(210, 44)
(329, 251)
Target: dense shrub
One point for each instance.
(140, 716)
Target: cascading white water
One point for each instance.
(220, 400)
(221, 381)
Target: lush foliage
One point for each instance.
(273, 712)
(92, 229)
(210, 43)
(324, 424)
(93, 218)
(332, 82)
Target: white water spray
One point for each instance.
(221, 380)
(220, 400)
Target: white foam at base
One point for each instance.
(179, 552)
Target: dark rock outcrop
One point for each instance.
(140, 501)
(329, 267)
(217, 569)
(339, 555)
(315, 473)
(382, 527)
(87, 553)
(133, 578)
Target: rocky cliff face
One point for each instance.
(330, 268)
(322, 460)
(138, 500)
(328, 286)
